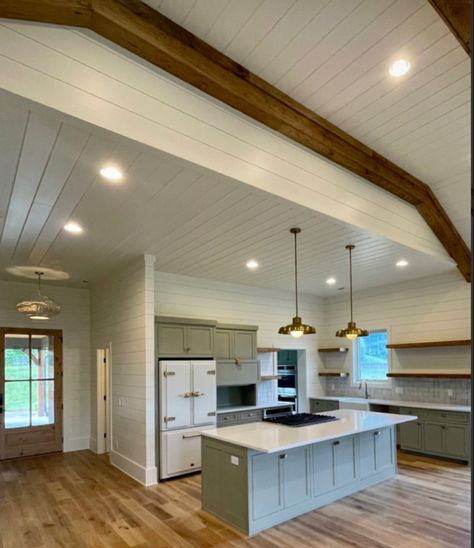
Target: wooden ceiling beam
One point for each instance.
(457, 15)
(143, 31)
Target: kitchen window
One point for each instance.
(371, 355)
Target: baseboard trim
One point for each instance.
(76, 444)
(145, 476)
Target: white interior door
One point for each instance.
(204, 391)
(176, 394)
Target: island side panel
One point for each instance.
(224, 479)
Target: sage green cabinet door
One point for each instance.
(433, 437)
(245, 345)
(296, 476)
(322, 468)
(344, 461)
(267, 492)
(456, 440)
(411, 435)
(171, 340)
(318, 406)
(200, 340)
(233, 374)
(366, 454)
(383, 449)
(224, 344)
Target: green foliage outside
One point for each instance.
(373, 356)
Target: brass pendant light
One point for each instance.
(351, 331)
(40, 308)
(296, 328)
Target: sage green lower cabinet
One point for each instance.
(318, 406)
(376, 451)
(253, 491)
(437, 433)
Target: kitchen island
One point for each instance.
(257, 475)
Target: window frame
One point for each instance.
(355, 362)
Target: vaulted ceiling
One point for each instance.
(333, 57)
(194, 221)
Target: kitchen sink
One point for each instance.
(360, 404)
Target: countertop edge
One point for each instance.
(421, 405)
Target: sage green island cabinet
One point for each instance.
(258, 475)
(177, 337)
(236, 354)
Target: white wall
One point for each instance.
(426, 309)
(123, 319)
(74, 320)
(189, 297)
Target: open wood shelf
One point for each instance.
(269, 377)
(464, 342)
(334, 349)
(430, 375)
(333, 373)
(268, 349)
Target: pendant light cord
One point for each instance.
(350, 278)
(296, 276)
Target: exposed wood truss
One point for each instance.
(457, 15)
(143, 31)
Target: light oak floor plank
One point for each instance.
(79, 500)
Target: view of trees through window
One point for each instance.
(372, 356)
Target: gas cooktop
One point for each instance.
(301, 419)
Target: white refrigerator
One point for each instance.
(187, 391)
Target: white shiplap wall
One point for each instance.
(190, 297)
(74, 321)
(427, 309)
(122, 317)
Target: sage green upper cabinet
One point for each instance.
(235, 342)
(245, 345)
(184, 337)
(224, 344)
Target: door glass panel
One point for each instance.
(17, 404)
(42, 402)
(42, 357)
(17, 357)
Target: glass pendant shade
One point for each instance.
(39, 308)
(297, 328)
(351, 332)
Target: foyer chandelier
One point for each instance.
(41, 307)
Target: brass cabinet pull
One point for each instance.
(187, 436)
(336, 442)
(188, 395)
(283, 456)
(169, 419)
(197, 394)
(377, 433)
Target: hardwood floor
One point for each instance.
(78, 500)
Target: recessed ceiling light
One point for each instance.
(402, 263)
(111, 173)
(331, 281)
(252, 264)
(73, 227)
(399, 68)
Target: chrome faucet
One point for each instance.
(366, 395)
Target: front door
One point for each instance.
(30, 392)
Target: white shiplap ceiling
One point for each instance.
(194, 221)
(333, 56)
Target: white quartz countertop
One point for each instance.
(400, 403)
(268, 437)
(235, 409)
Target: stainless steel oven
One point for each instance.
(287, 383)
